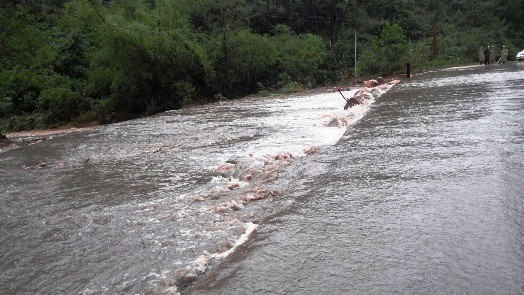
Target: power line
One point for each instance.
(100, 15)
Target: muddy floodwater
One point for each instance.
(417, 191)
(423, 195)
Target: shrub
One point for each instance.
(60, 104)
(141, 71)
(386, 56)
(19, 90)
(299, 56)
(23, 122)
(244, 61)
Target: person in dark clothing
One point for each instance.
(486, 57)
(503, 55)
(481, 55)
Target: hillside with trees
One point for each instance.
(110, 60)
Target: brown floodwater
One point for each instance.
(418, 191)
(424, 195)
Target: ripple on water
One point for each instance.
(138, 206)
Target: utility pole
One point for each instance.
(355, 53)
(224, 41)
(267, 18)
(224, 48)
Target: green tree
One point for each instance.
(387, 55)
(119, 59)
(299, 56)
(251, 61)
(143, 68)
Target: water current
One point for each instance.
(146, 206)
(417, 191)
(424, 195)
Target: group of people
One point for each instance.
(487, 55)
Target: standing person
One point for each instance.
(486, 56)
(503, 55)
(492, 54)
(481, 55)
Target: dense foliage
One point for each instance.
(109, 60)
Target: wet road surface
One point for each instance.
(424, 195)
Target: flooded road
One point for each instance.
(147, 206)
(424, 195)
(417, 191)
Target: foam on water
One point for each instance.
(298, 122)
(297, 125)
(148, 205)
(246, 168)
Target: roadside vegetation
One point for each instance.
(82, 61)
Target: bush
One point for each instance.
(19, 90)
(249, 60)
(141, 71)
(388, 54)
(23, 122)
(60, 105)
(6, 106)
(289, 88)
(340, 61)
(299, 56)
